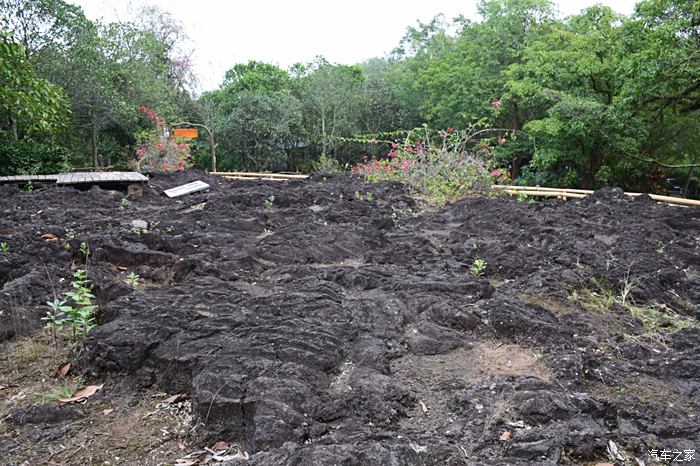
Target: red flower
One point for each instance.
(496, 104)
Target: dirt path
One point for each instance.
(319, 328)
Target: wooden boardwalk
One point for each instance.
(24, 178)
(78, 178)
(100, 177)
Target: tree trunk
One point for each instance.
(687, 182)
(93, 145)
(323, 135)
(13, 124)
(212, 143)
(516, 162)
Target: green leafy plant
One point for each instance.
(269, 201)
(80, 316)
(4, 247)
(85, 249)
(55, 318)
(326, 164)
(75, 314)
(440, 166)
(133, 279)
(358, 196)
(478, 267)
(369, 196)
(124, 203)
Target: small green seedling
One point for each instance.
(4, 247)
(124, 203)
(133, 279)
(55, 318)
(85, 249)
(369, 197)
(269, 201)
(358, 196)
(478, 267)
(661, 249)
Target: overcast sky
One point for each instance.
(225, 32)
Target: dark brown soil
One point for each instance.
(327, 329)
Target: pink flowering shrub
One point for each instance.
(159, 152)
(441, 166)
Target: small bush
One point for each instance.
(26, 157)
(157, 151)
(326, 164)
(442, 167)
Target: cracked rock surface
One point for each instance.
(328, 329)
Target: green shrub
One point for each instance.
(28, 157)
(326, 164)
(442, 166)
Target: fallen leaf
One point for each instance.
(121, 267)
(82, 394)
(505, 436)
(181, 446)
(107, 412)
(423, 407)
(175, 398)
(614, 451)
(62, 369)
(49, 236)
(220, 446)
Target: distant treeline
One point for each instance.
(590, 100)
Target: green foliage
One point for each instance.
(133, 279)
(326, 164)
(590, 100)
(31, 104)
(440, 166)
(4, 248)
(32, 157)
(78, 316)
(478, 268)
(269, 202)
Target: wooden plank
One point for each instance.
(186, 189)
(262, 174)
(547, 193)
(100, 177)
(580, 193)
(538, 188)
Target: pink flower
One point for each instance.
(496, 104)
(405, 165)
(391, 153)
(449, 130)
(394, 146)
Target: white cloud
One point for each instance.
(284, 32)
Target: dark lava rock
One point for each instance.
(283, 323)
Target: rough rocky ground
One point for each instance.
(320, 328)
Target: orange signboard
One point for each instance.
(186, 133)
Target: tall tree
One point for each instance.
(328, 93)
